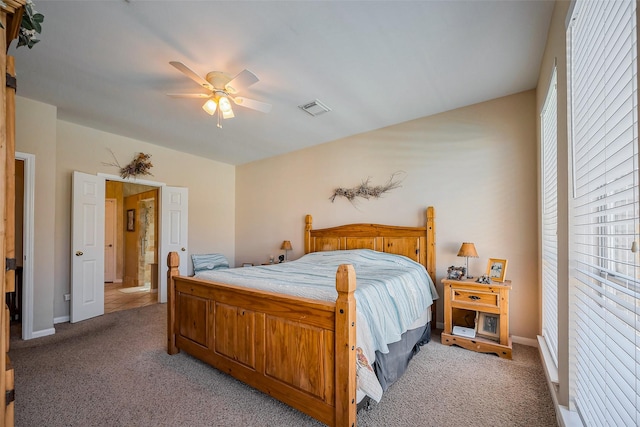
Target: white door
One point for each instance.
(110, 228)
(87, 247)
(174, 219)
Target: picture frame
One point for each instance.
(131, 220)
(497, 269)
(488, 325)
(456, 273)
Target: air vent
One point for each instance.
(315, 108)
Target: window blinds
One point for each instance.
(604, 285)
(549, 155)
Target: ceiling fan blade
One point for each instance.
(243, 80)
(191, 74)
(189, 95)
(252, 104)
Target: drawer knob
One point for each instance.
(474, 297)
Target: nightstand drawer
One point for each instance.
(475, 298)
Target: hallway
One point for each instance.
(116, 300)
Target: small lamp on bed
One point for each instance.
(286, 246)
(468, 250)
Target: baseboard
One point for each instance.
(524, 341)
(43, 333)
(61, 319)
(549, 365)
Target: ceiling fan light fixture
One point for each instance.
(220, 87)
(210, 106)
(224, 103)
(225, 106)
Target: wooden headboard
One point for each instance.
(417, 243)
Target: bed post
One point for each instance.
(307, 233)
(431, 256)
(345, 350)
(173, 261)
(431, 243)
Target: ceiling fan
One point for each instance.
(222, 89)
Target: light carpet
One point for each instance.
(114, 371)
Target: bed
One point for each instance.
(302, 351)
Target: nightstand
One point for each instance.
(489, 303)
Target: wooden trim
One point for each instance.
(6, 414)
(12, 8)
(10, 172)
(173, 261)
(431, 243)
(14, 22)
(10, 17)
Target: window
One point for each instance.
(549, 243)
(604, 293)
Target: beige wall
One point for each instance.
(476, 165)
(66, 147)
(36, 134)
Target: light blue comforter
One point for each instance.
(392, 291)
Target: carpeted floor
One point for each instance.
(114, 371)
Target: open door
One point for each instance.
(110, 239)
(174, 219)
(87, 236)
(87, 247)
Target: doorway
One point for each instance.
(14, 299)
(87, 254)
(131, 246)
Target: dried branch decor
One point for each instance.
(366, 191)
(140, 165)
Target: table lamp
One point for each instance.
(468, 250)
(286, 246)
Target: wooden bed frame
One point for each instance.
(297, 350)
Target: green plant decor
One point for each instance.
(30, 25)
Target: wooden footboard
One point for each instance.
(300, 351)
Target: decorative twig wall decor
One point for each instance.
(366, 191)
(140, 165)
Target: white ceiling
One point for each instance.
(105, 64)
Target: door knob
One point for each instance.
(110, 246)
(183, 249)
(79, 253)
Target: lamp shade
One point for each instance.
(468, 250)
(286, 245)
(210, 106)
